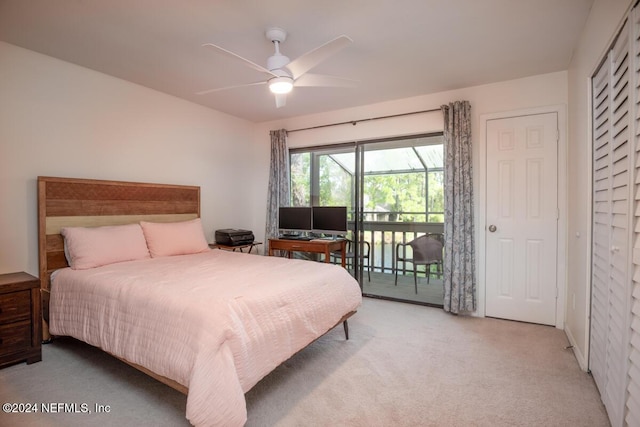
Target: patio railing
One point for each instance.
(383, 237)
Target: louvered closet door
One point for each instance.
(610, 239)
(633, 390)
(619, 284)
(601, 224)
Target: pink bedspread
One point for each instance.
(216, 322)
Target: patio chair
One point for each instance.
(438, 236)
(350, 255)
(425, 250)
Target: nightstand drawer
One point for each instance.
(20, 317)
(15, 337)
(15, 306)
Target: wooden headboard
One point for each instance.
(70, 202)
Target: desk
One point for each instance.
(318, 246)
(233, 248)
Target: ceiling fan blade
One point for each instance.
(204, 92)
(281, 100)
(307, 61)
(238, 57)
(316, 80)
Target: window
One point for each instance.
(300, 179)
(402, 178)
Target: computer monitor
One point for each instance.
(294, 218)
(330, 219)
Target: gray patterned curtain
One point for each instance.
(459, 249)
(279, 183)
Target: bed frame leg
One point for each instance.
(346, 329)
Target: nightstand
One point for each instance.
(20, 319)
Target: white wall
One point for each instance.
(516, 95)
(59, 119)
(604, 21)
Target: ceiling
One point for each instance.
(401, 48)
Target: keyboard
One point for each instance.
(294, 237)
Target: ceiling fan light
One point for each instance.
(281, 84)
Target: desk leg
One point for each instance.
(326, 255)
(344, 260)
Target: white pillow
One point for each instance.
(174, 238)
(89, 247)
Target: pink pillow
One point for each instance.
(174, 238)
(89, 247)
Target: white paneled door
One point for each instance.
(522, 218)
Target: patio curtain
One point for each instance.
(279, 183)
(459, 249)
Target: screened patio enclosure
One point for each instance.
(393, 190)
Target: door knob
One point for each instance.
(492, 228)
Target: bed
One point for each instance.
(209, 323)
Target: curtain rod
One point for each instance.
(355, 122)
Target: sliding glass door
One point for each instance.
(393, 190)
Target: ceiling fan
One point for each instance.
(282, 74)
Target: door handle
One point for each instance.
(492, 228)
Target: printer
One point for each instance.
(234, 237)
